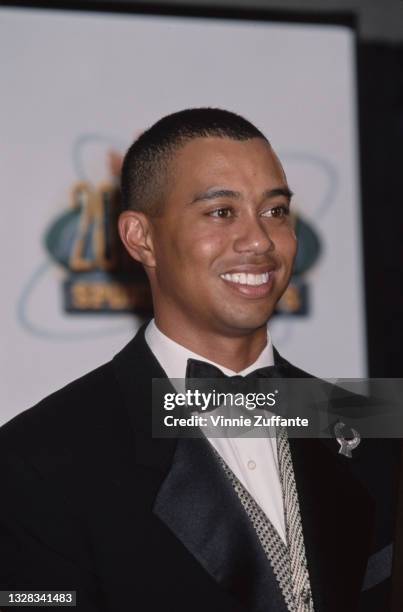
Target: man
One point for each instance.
(92, 502)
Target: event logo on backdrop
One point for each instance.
(100, 277)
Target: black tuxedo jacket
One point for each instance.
(90, 502)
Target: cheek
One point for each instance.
(203, 249)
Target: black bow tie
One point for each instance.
(205, 377)
(202, 369)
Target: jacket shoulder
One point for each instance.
(70, 412)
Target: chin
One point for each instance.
(248, 322)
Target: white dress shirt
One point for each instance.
(253, 460)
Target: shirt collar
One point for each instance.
(173, 356)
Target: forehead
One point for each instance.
(218, 160)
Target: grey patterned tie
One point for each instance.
(295, 539)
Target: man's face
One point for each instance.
(224, 245)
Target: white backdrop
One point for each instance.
(98, 80)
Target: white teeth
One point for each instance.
(247, 279)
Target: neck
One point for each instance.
(235, 352)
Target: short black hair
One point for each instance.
(146, 163)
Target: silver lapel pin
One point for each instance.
(346, 444)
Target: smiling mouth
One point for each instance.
(249, 285)
(241, 278)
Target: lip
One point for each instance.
(251, 291)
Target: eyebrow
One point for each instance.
(212, 194)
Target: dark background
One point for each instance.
(379, 26)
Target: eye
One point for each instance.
(221, 213)
(277, 212)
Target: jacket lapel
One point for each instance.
(198, 503)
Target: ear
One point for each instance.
(135, 233)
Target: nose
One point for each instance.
(253, 236)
